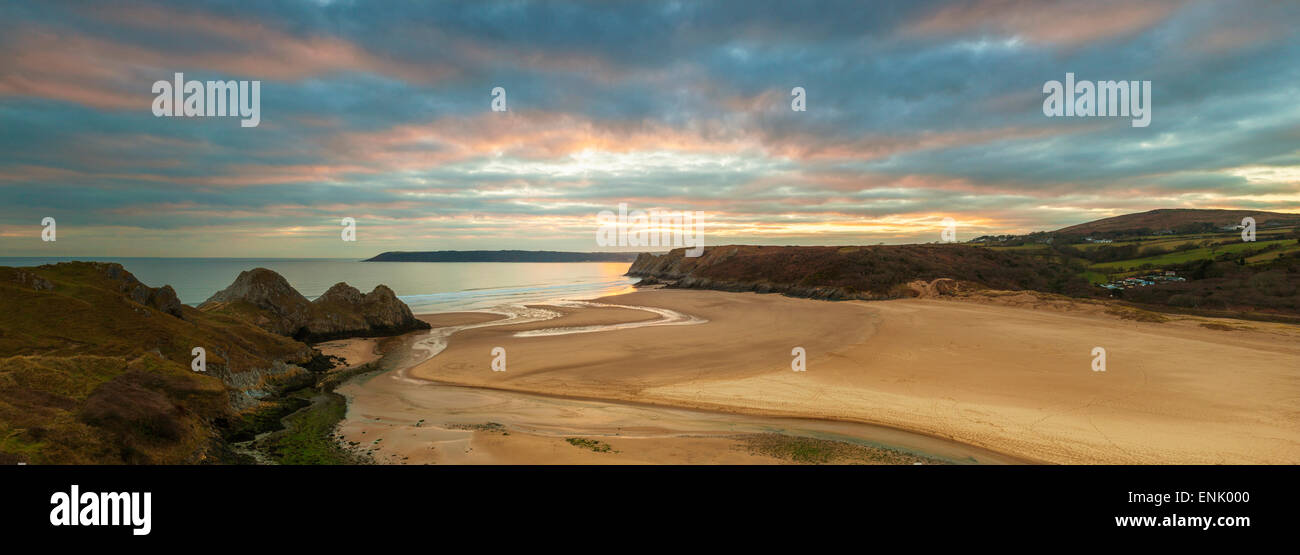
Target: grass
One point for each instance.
(1095, 277)
(308, 437)
(1023, 248)
(807, 450)
(492, 427)
(1137, 314)
(594, 445)
(1267, 256)
(1223, 327)
(1166, 241)
(1184, 256)
(266, 418)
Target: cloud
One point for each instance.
(916, 111)
(1056, 22)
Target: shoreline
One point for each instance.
(737, 393)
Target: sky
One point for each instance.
(382, 112)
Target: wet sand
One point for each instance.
(354, 351)
(396, 421)
(1004, 378)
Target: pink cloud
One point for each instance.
(1063, 22)
(116, 74)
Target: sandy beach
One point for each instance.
(1009, 376)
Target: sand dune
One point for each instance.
(1011, 379)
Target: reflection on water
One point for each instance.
(486, 298)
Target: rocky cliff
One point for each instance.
(870, 272)
(266, 299)
(95, 367)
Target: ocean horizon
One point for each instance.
(424, 286)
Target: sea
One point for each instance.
(425, 286)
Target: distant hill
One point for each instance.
(1178, 219)
(502, 256)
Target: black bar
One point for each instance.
(305, 505)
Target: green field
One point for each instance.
(1095, 277)
(1024, 248)
(1165, 241)
(1183, 256)
(1265, 257)
(1102, 272)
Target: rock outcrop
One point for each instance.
(28, 279)
(266, 299)
(162, 298)
(344, 311)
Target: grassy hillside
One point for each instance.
(870, 272)
(88, 374)
(1190, 255)
(1177, 220)
(1224, 275)
(1211, 273)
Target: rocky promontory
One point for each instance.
(266, 299)
(345, 311)
(861, 272)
